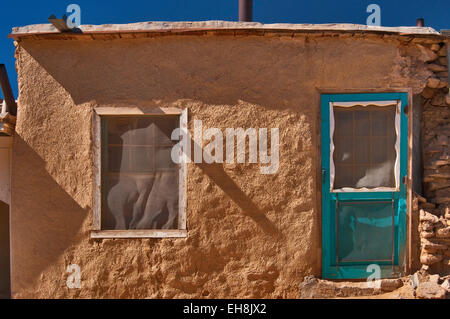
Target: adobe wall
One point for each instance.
(249, 235)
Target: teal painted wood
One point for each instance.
(358, 270)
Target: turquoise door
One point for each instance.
(364, 169)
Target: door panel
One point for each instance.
(364, 154)
(364, 231)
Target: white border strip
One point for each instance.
(365, 103)
(183, 174)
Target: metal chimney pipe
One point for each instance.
(420, 22)
(8, 95)
(245, 10)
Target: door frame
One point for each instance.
(329, 270)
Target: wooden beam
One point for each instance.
(59, 24)
(11, 105)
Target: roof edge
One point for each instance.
(187, 26)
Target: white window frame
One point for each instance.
(97, 232)
(398, 104)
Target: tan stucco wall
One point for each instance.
(249, 235)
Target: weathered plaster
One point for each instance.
(249, 235)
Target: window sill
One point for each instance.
(154, 233)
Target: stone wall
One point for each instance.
(434, 224)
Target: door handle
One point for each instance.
(324, 174)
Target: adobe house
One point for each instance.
(363, 126)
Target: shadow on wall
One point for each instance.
(45, 219)
(215, 71)
(218, 175)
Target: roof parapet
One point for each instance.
(225, 26)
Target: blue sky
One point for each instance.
(393, 13)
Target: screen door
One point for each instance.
(364, 157)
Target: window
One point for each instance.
(365, 145)
(139, 187)
(364, 141)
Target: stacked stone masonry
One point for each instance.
(434, 220)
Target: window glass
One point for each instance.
(139, 179)
(364, 140)
(364, 231)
